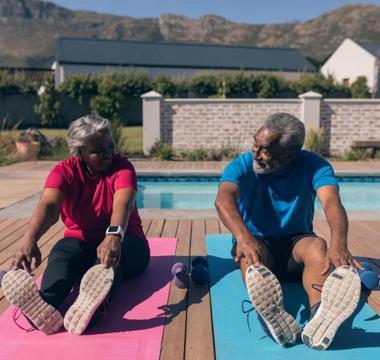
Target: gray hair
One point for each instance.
(292, 130)
(82, 129)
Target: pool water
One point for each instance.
(201, 195)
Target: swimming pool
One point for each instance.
(358, 193)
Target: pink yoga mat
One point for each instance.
(133, 329)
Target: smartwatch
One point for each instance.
(115, 230)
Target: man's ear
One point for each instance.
(292, 154)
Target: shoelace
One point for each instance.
(16, 315)
(247, 311)
(317, 287)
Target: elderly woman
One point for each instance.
(94, 191)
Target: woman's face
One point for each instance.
(98, 152)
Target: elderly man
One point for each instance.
(266, 199)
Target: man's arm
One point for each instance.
(248, 246)
(336, 216)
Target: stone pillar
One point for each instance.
(151, 119)
(311, 110)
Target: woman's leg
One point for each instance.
(135, 256)
(68, 260)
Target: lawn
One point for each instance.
(132, 140)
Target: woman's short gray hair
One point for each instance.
(81, 129)
(292, 130)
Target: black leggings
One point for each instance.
(70, 258)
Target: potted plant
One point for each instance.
(28, 144)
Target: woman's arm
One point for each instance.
(123, 203)
(44, 216)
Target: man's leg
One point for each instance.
(338, 299)
(266, 296)
(310, 252)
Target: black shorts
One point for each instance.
(281, 251)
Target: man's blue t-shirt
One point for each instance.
(279, 204)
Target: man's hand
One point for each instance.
(338, 255)
(252, 250)
(24, 255)
(109, 251)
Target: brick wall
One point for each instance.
(345, 121)
(214, 124)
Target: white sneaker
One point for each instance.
(339, 299)
(94, 288)
(266, 296)
(20, 290)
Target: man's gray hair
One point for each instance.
(292, 130)
(82, 129)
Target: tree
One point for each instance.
(360, 89)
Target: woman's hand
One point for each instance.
(24, 255)
(109, 251)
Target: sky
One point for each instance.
(246, 11)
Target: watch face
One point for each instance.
(112, 229)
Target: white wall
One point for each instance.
(65, 70)
(350, 60)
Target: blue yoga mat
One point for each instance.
(358, 337)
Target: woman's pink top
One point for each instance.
(87, 207)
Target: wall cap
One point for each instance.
(310, 95)
(151, 95)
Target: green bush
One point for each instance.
(224, 153)
(359, 88)
(199, 154)
(7, 149)
(57, 151)
(203, 85)
(355, 155)
(165, 86)
(314, 140)
(79, 87)
(49, 107)
(162, 151)
(15, 84)
(320, 84)
(114, 89)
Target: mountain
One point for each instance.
(28, 29)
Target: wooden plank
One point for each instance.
(7, 253)
(361, 246)
(14, 236)
(223, 228)
(174, 337)
(46, 243)
(11, 229)
(145, 225)
(212, 226)
(155, 229)
(199, 333)
(170, 228)
(7, 223)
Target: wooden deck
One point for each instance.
(188, 333)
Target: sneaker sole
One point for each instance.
(265, 293)
(94, 288)
(21, 291)
(339, 299)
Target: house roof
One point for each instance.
(134, 53)
(374, 49)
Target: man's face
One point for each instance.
(267, 152)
